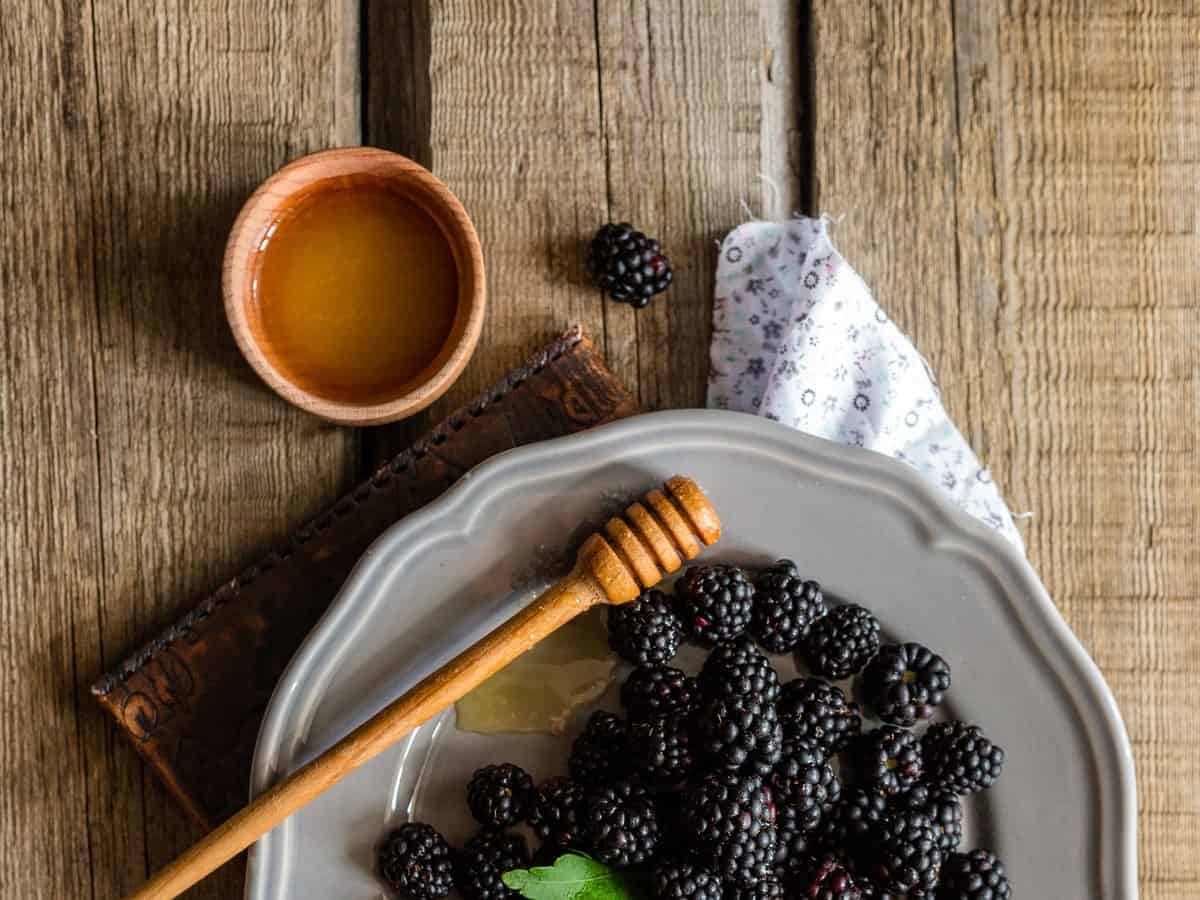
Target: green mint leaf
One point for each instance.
(572, 877)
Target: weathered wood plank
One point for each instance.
(1018, 186)
(142, 461)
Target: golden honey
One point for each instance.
(355, 291)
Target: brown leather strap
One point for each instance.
(192, 699)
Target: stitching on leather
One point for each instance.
(342, 507)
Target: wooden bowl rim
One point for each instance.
(265, 205)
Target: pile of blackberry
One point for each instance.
(733, 784)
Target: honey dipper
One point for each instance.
(634, 552)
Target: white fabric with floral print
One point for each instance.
(798, 338)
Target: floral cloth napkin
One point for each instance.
(798, 338)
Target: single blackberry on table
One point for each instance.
(943, 807)
(715, 602)
(730, 818)
(660, 749)
(804, 788)
(960, 758)
(905, 858)
(627, 265)
(905, 683)
(888, 759)
(784, 606)
(645, 631)
(556, 813)
(841, 642)
(846, 829)
(816, 712)
(738, 669)
(598, 753)
(682, 879)
(739, 733)
(621, 825)
(487, 856)
(415, 862)
(655, 690)
(766, 889)
(827, 878)
(499, 795)
(977, 875)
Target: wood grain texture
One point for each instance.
(1019, 184)
(141, 459)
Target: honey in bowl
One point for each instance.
(355, 290)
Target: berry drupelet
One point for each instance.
(682, 879)
(905, 858)
(661, 748)
(645, 631)
(784, 606)
(888, 760)
(486, 857)
(739, 669)
(731, 820)
(627, 265)
(960, 758)
(598, 754)
(827, 879)
(905, 683)
(656, 690)
(804, 788)
(715, 602)
(977, 875)
(739, 733)
(943, 807)
(556, 813)
(841, 642)
(621, 825)
(498, 796)
(415, 862)
(816, 712)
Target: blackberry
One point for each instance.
(818, 713)
(655, 690)
(680, 879)
(622, 825)
(841, 642)
(646, 630)
(888, 759)
(499, 795)
(627, 265)
(415, 862)
(740, 732)
(737, 669)
(828, 879)
(715, 602)
(943, 807)
(804, 788)
(661, 748)
(766, 889)
(905, 683)
(556, 813)
(487, 856)
(977, 875)
(846, 829)
(731, 819)
(784, 606)
(598, 754)
(905, 858)
(960, 758)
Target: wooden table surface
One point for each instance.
(1018, 181)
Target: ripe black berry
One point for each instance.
(646, 630)
(842, 642)
(731, 820)
(905, 683)
(627, 265)
(622, 825)
(942, 807)
(415, 862)
(598, 754)
(818, 713)
(499, 795)
(977, 875)
(740, 733)
(682, 879)
(715, 602)
(804, 788)
(487, 856)
(846, 829)
(660, 749)
(784, 607)
(739, 669)
(656, 690)
(960, 758)
(888, 759)
(556, 813)
(905, 857)
(828, 879)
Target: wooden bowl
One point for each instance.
(274, 198)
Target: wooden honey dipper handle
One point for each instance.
(633, 553)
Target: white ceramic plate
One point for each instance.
(1063, 817)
